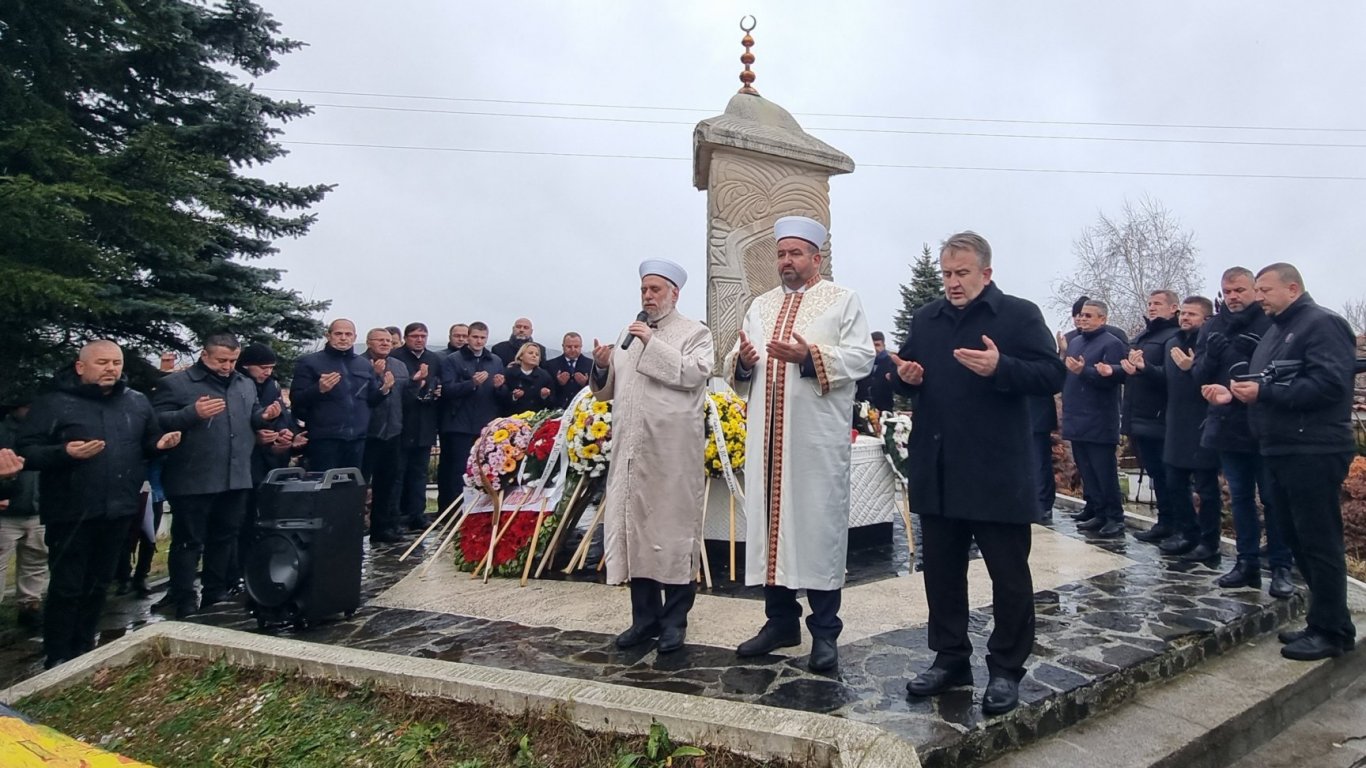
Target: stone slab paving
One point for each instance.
(1112, 617)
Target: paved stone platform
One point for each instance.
(1112, 617)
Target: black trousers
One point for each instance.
(1306, 491)
(1044, 481)
(1005, 550)
(81, 558)
(412, 501)
(450, 471)
(782, 611)
(1149, 450)
(138, 549)
(204, 525)
(382, 467)
(324, 454)
(1099, 469)
(663, 605)
(1203, 528)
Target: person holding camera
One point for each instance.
(1223, 350)
(1299, 397)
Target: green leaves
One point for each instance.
(124, 210)
(660, 751)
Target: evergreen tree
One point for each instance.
(925, 286)
(124, 212)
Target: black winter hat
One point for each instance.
(257, 354)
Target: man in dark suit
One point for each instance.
(972, 360)
(421, 417)
(877, 387)
(569, 371)
(1301, 411)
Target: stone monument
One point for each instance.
(756, 164)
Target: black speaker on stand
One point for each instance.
(304, 562)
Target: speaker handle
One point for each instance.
(283, 473)
(341, 475)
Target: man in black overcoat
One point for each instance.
(972, 360)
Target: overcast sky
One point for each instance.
(441, 236)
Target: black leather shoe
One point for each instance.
(1044, 518)
(1154, 534)
(768, 640)
(1176, 545)
(1092, 524)
(1202, 554)
(121, 588)
(1312, 647)
(1111, 530)
(638, 634)
(385, 537)
(1083, 515)
(671, 639)
(936, 680)
(211, 598)
(825, 655)
(167, 603)
(185, 609)
(1281, 585)
(1245, 573)
(1287, 636)
(140, 587)
(1002, 695)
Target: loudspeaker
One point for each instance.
(304, 562)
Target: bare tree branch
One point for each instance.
(1121, 261)
(1354, 312)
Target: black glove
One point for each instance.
(1216, 344)
(1245, 343)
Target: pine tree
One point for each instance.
(925, 287)
(124, 212)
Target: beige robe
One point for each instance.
(652, 526)
(797, 504)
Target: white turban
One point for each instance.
(810, 230)
(665, 269)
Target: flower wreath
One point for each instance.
(589, 437)
(731, 412)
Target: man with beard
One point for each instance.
(972, 360)
(1300, 404)
(521, 334)
(470, 380)
(1141, 412)
(803, 346)
(1226, 345)
(570, 370)
(209, 479)
(421, 417)
(383, 451)
(656, 379)
(1191, 466)
(89, 441)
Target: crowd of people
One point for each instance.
(1259, 388)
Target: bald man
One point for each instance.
(521, 334)
(332, 392)
(90, 441)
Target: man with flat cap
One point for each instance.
(803, 347)
(656, 379)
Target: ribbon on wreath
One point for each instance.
(560, 442)
(714, 417)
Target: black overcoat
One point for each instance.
(1186, 410)
(563, 393)
(969, 452)
(1142, 412)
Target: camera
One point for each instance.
(1276, 372)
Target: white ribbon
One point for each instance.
(714, 416)
(561, 443)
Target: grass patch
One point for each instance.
(168, 712)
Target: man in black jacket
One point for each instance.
(1190, 464)
(333, 391)
(507, 349)
(470, 380)
(421, 419)
(208, 480)
(972, 360)
(1224, 349)
(878, 387)
(569, 371)
(1142, 411)
(1301, 410)
(89, 441)
(274, 441)
(383, 449)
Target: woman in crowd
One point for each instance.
(526, 385)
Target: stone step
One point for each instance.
(1209, 717)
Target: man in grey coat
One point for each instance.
(383, 461)
(208, 479)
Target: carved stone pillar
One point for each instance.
(757, 165)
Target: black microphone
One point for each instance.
(640, 318)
